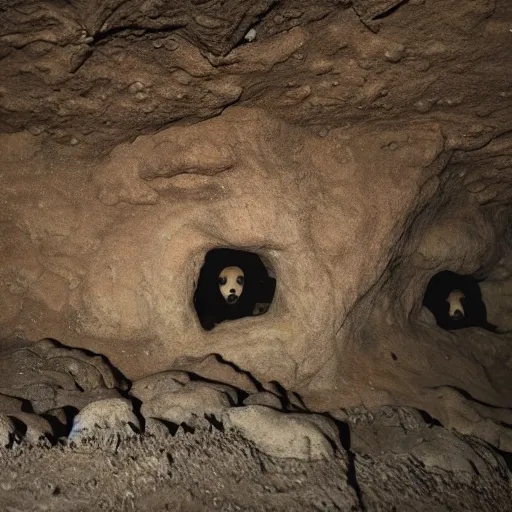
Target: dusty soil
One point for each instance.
(210, 470)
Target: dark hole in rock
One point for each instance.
(232, 284)
(456, 301)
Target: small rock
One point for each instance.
(171, 44)
(395, 54)
(299, 93)
(228, 390)
(250, 36)
(423, 106)
(150, 387)
(7, 431)
(136, 87)
(35, 130)
(187, 405)
(38, 428)
(156, 428)
(278, 434)
(113, 414)
(321, 66)
(208, 21)
(264, 398)
(212, 367)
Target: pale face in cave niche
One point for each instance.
(231, 284)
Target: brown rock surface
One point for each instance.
(358, 147)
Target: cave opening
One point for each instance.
(456, 301)
(232, 284)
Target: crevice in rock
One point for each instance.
(136, 407)
(130, 29)
(352, 478)
(61, 428)
(470, 397)
(507, 457)
(214, 422)
(391, 10)
(429, 420)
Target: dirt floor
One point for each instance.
(213, 470)
(75, 435)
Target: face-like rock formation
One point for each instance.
(360, 156)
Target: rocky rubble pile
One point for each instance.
(68, 412)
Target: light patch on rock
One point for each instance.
(278, 434)
(187, 405)
(112, 415)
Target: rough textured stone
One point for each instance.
(358, 159)
(214, 368)
(187, 405)
(47, 375)
(10, 405)
(277, 434)
(264, 398)
(105, 416)
(105, 71)
(402, 430)
(160, 383)
(7, 431)
(212, 470)
(334, 348)
(36, 428)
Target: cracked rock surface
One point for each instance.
(100, 72)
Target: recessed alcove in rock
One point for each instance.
(456, 301)
(253, 285)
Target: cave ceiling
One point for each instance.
(96, 73)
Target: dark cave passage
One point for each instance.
(456, 302)
(232, 284)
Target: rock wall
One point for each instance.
(361, 158)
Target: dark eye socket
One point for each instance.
(223, 280)
(240, 280)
